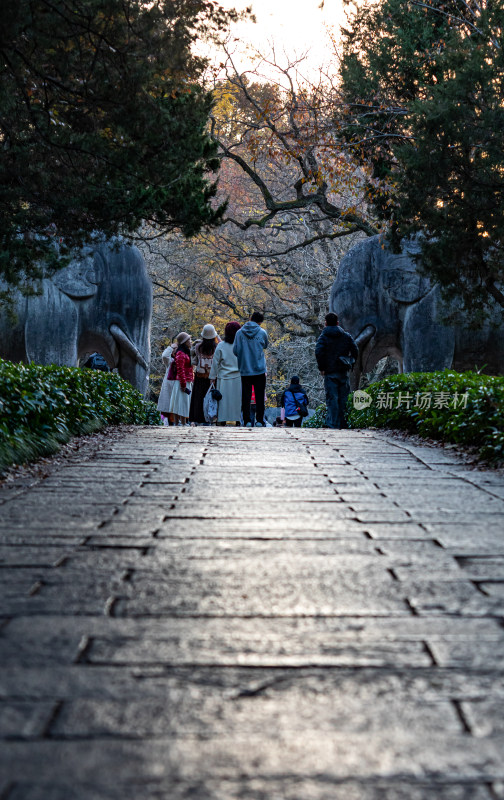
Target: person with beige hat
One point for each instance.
(184, 376)
(202, 355)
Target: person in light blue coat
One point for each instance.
(249, 346)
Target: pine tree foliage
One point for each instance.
(424, 83)
(102, 122)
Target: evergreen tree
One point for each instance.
(424, 83)
(102, 122)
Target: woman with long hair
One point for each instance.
(202, 355)
(183, 377)
(226, 375)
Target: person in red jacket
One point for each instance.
(184, 377)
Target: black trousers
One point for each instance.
(259, 384)
(293, 423)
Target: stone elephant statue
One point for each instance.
(101, 301)
(391, 309)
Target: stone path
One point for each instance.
(266, 615)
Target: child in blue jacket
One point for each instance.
(291, 398)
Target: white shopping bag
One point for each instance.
(210, 407)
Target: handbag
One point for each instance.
(210, 406)
(347, 362)
(301, 407)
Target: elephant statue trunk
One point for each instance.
(127, 345)
(364, 336)
(361, 340)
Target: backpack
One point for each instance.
(96, 361)
(301, 407)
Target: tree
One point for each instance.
(282, 259)
(424, 83)
(285, 140)
(102, 123)
(224, 274)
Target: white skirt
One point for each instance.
(165, 396)
(230, 405)
(179, 400)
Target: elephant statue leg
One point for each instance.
(427, 344)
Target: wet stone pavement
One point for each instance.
(264, 614)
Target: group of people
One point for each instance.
(236, 367)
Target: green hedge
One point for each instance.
(317, 419)
(42, 407)
(463, 408)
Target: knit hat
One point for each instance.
(230, 331)
(294, 379)
(230, 327)
(183, 337)
(208, 332)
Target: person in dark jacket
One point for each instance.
(332, 345)
(291, 398)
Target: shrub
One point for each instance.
(41, 407)
(317, 419)
(464, 408)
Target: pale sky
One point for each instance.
(294, 27)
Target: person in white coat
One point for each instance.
(167, 386)
(226, 376)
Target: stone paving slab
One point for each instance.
(53, 683)
(336, 757)
(264, 614)
(174, 527)
(304, 706)
(289, 789)
(256, 641)
(468, 539)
